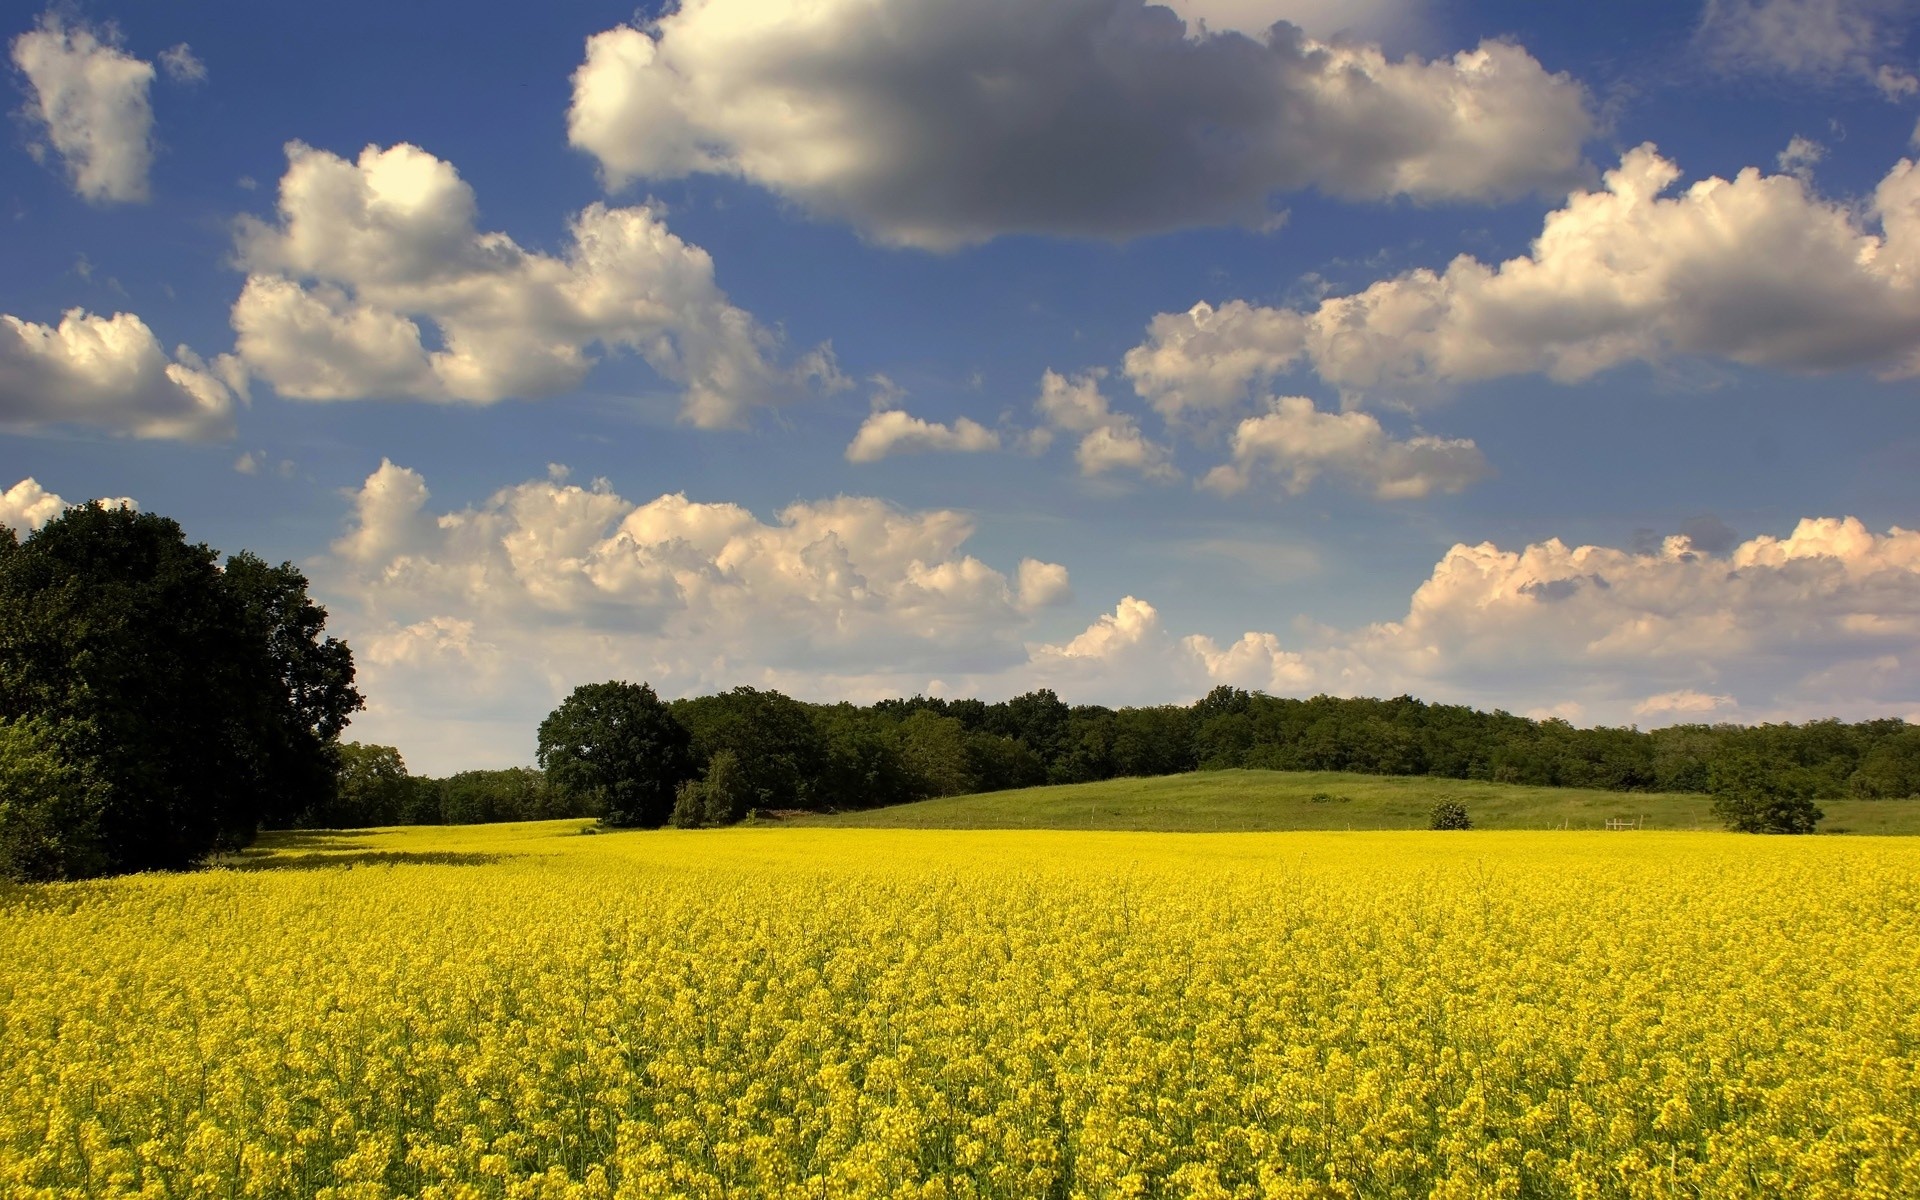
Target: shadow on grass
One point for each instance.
(283, 856)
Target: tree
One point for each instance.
(49, 808)
(306, 693)
(192, 699)
(777, 745)
(1749, 796)
(616, 747)
(372, 787)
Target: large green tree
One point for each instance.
(617, 749)
(196, 702)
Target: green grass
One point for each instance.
(1210, 801)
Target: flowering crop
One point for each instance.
(520, 1011)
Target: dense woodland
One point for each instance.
(778, 753)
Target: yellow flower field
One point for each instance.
(524, 1011)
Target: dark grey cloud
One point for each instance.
(942, 122)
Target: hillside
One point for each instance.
(1274, 800)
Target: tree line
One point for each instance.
(617, 751)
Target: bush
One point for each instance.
(1449, 814)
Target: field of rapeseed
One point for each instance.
(523, 1011)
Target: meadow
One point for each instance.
(529, 1011)
(1217, 801)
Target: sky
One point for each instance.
(1552, 358)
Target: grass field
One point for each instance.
(1212, 801)
(524, 1011)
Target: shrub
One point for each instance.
(1449, 814)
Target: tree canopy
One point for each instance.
(618, 748)
(194, 702)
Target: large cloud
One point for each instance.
(1824, 621)
(89, 98)
(363, 251)
(547, 585)
(1755, 270)
(937, 123)
(109, 372)
(1818, 39)
(471, 622)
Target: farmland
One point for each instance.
(521, 1010)
(1215, 801)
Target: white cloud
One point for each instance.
(505, 605)
(938, 123)
(1298, 442)
(109, 372)
(26, 506)
(1800, 157)
(1109, 441)
(1755, 270)
(89, 98)
(892, 431)
(182, 65)
(1825, 621)
(1041, 585)
(363, 252)
(1685, 704)
(1818, 39)
(484, 616)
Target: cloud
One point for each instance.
(1109, 441)
(1319, 19)
(1755, 270)
(1823, 621)
(109, 372)
(1298, 443)
(506, 605)
(182, 65)
(939, 123)
(26, 506)
(1685, 704)
(89, 99)
(1823, 40)
(364, 251)
(472, 622)
(892, 431)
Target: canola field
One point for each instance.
(523, 1011)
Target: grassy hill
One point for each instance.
(1256, 800)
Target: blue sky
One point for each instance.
(852, 348)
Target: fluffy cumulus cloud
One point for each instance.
(1756, 270)
(363, 252)
(471, 621)
(89, 100)
(1823, 621)
(1109, 441)
(892, 431)
(1298, 443)
(1819, 39)
(112, 373)
(546, 585)
(26, 506)
(938, 123)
